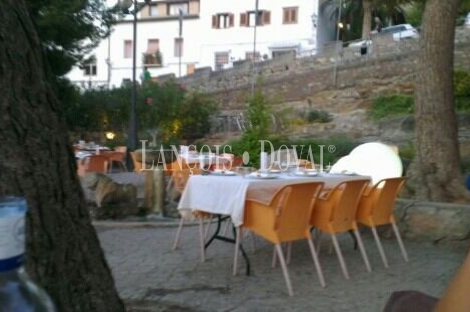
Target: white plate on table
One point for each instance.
(348, 173)
(256, 175)
(306, 173)
(223, 172)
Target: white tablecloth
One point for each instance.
(226, 194)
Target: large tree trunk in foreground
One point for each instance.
(435, 172)
(366, 18)
(36, 161)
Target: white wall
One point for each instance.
(101, 54)
(201, 41)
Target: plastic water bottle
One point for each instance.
(18, 293)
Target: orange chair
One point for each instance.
(335, 212)
(225, 164)
(177, 165)
(376, 208)
(95, 163)
(121, 149)
(180, 178)
(137, 164)
(116, 158)
(284, 219)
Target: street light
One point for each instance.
(132, 139)
(339, 26)
(253, 81)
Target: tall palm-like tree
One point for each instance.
(435, 171)
(354, 11)
(366, 18)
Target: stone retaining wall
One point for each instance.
(337, 67)
(430, 221)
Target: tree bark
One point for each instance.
(37, 162)
(435, 171)
(367, 18)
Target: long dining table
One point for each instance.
(224, 194)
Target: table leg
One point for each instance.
(216, 235)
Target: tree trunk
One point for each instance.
(63, 252)
(367, 18)
(435, 172)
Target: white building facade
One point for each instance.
(215, 33)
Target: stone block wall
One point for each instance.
(430, 221)
(333, 68)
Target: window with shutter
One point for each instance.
(243, 19)
(153, 45)
(266, 17)
(89, 69)
(293, 16)
(127, 48)
(290, 15)
(285, 17)
(222, 20)
(221, 58)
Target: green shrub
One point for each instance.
(465, 165)
(462, 89)
(461, 83)
(342, 147)
(391, 105)
(176, 112)
(259, 116)
(321, 116)
(462, 104)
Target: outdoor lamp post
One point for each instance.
(132, 139)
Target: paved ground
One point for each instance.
(152, 277)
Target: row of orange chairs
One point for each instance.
(296, 208)
(102, 163)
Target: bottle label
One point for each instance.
(12, 238)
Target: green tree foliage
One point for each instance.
(352, 14)
(462, 90)
(177, 113)
(403, 104)
(195, 115)
(259, 116)
(391, 105)
(69, 29)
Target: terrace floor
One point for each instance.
(150, 276)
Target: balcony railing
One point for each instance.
(154, 59)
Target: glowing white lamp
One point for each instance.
(377, 160)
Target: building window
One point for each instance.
(89, 69)
(289, 15)
(221, 59)
(153, 45)
(127, 48)
(153, 56)
(249, 18)
(173, 9)
(222, 20)
(153, 11)
(249, 56)
(178, 47)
